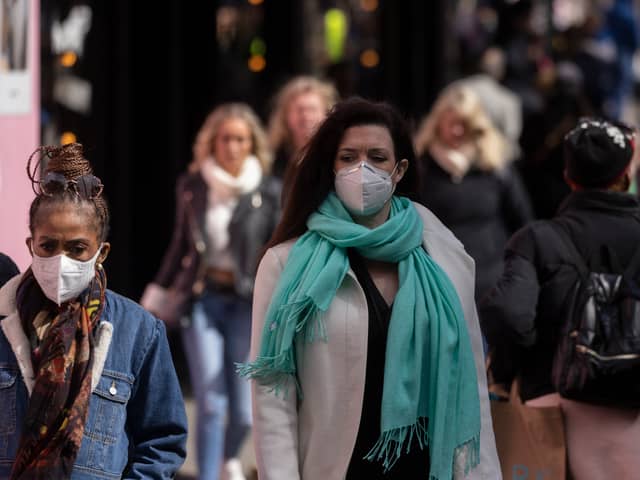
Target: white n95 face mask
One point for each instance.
(364, 189)
(62, 278)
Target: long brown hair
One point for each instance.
(314, 176)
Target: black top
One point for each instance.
(253, 221)
(281, 160)
(482, 210)
(409, 466)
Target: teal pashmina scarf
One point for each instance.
(430, 393)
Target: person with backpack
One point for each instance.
(559, 316)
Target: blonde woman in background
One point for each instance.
(468, 181)
(211, 260)
(300, 105)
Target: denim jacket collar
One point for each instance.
(19, 342)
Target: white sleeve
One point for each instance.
(489, 467)
(275, 418)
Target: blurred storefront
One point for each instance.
(19, 121)
(133, 85)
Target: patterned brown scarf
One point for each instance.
(62, 360)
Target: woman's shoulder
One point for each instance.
(269, 189)
(432, 225)
(278, 254)
(190, 180)
(271, 185)
(535, 238)
(8, 295)
(442, 245)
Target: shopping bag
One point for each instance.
(530, 440)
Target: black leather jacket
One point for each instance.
(253, 221)
(482, 210)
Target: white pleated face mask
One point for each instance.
(364, 189)
(62, 278)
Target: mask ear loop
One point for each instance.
(393, 172)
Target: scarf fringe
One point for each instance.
(308, 318)
(278, 372)
(393, 443)
(271, 372)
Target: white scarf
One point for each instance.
(456, 162)
(224, 191)
(224, 186)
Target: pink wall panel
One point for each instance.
(19, 136)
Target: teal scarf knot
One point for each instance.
(430, 392)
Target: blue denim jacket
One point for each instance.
(137, 426)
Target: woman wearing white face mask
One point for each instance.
(366, 352)
(87, 385)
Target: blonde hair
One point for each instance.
(490, 143)
(279, 132)
(206, 136)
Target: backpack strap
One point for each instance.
(634, 265)
(574, 255)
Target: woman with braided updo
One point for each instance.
(87, 385)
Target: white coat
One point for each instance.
(313, 438)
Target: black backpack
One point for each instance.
(598, 355)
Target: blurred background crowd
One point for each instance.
(135, 88)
